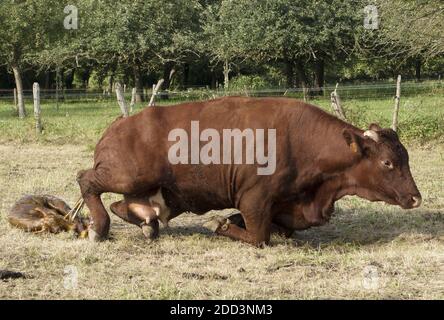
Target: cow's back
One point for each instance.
(138, 147)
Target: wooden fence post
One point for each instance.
(37, 111)
(397, 101)
(121, 100)
(336, 104)
(247, 94)
(133, 99)
(154, 94)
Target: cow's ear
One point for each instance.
(354, 141)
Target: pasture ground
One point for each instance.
(368, 250)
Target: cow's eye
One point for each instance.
(388, 164)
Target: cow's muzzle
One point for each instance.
(412, 202)
(416, 201)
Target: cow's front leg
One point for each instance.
(257, 216)
(255, 236)
(291, 215)
(275, 227)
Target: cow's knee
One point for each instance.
(84, 179)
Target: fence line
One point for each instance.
(373, 91)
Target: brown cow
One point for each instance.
(319, 159)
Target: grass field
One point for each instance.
(368, 250)
(421, 119)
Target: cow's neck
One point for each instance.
(319, 143)
(321, 206)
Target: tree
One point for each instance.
(26, 28)
(228, 33)
(308, 34)
(303, 35)
(141, 34)
(412, 28)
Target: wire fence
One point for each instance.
(346, 92)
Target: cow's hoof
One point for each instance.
(94, 236)
(83, 234)
(217, 223)
(149, 232)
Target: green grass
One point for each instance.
(421, 119)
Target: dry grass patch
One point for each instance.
(369, 250)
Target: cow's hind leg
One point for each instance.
(120, 209)
(91, 191)
(143, 216)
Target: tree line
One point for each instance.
(286, 43)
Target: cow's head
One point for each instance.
(382, 171)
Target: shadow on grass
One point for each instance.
(349, 227)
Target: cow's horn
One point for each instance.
(372, 135)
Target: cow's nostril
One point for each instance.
(416, 201)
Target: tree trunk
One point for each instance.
(303, 77)
(418, 69)
(111, 83)
(85, 78)
(226, 75)
(168, 73)
(19, 86)
(47, 80)
(289, 72)
(319, 77)
(15, 101)
(138, 85)
(186, 74)
(214, 80)
(58, 86)
(69, 79)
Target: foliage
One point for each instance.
(142, 40)
(412, 28)
(253, 82)
(26, 28)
